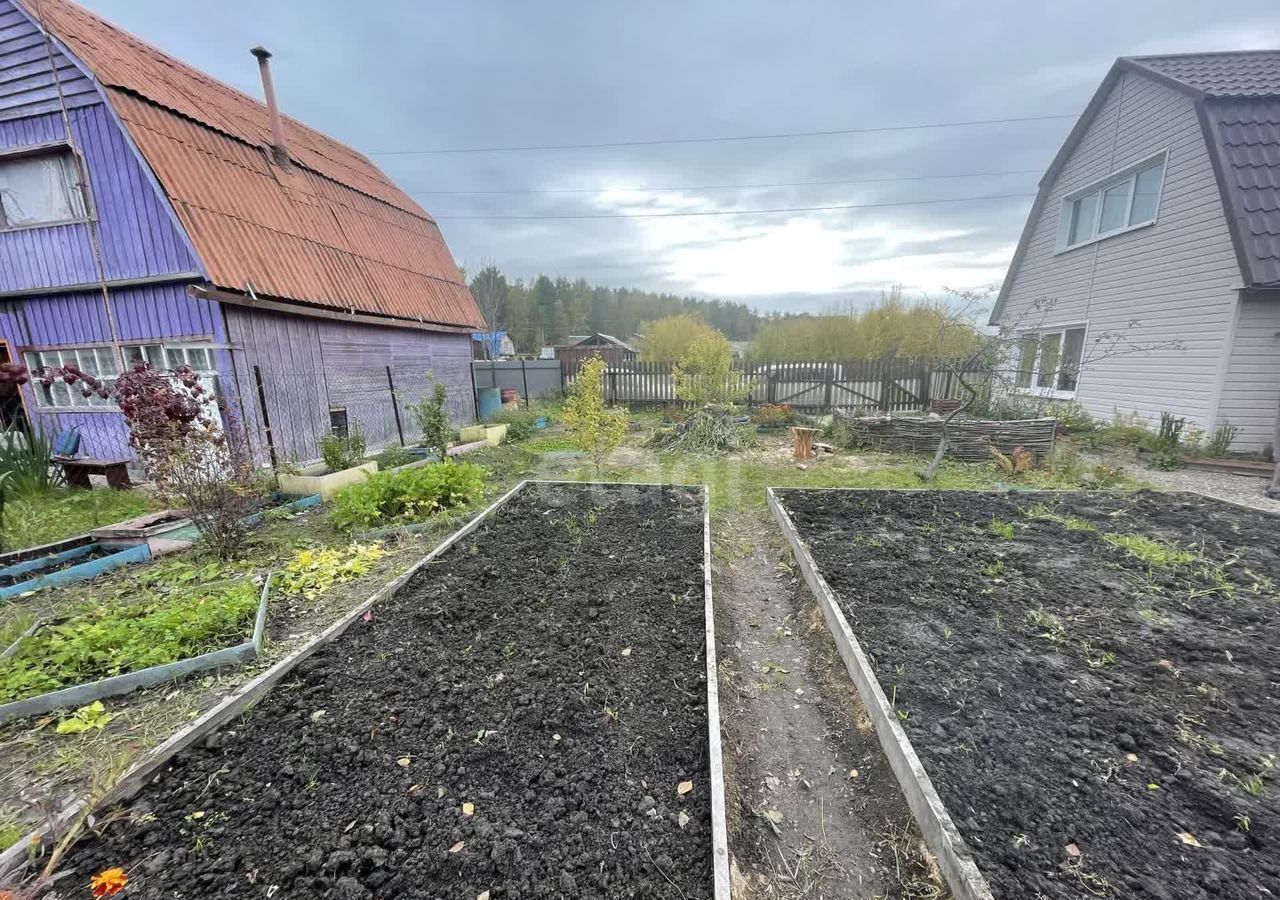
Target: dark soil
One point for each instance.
(32, 574)
(1095, 724)
(496, 677)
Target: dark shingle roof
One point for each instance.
(1237, 96)
(1236, 74)
(1246, 135)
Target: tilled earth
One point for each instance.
(519, 720)
(1098, 723)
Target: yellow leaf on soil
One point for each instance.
(1189, 839)
(468, 809)
(456, 847)
(684, 788)
(404, 760)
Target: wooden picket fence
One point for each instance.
(888, 384)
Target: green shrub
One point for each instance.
(1165, 446)
(431, 413)
(595, 429)
(111, 640)
(1220, 440)
(393, 456)
(343, 452)
(407, 495)
(521, 423)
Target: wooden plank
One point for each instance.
(936, 826)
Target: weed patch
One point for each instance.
(1149, 550)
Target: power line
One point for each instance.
(723, 187)
(744, 212)
(726, 139)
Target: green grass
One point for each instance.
(11, 831)
(1071, 523)
(1152, 552)
(548, 443)
(738, 485)
(1000, 528)
(64, 512)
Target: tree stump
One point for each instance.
(803, 442)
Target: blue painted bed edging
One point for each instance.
(45, 562)
(254, 520)
(81, 572)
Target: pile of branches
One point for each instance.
(712, 429)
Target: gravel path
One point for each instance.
(1246, 490)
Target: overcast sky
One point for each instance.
(396, 75)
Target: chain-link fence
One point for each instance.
(284, 413)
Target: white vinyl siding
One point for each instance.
(1251, 389)
(1178, 278)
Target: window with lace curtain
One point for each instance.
(40, 189)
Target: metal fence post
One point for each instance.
(266, 420)
(524, 377)
(395, 407)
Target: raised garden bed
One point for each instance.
(77, 695)
(66, 567)
(527, 716)
(317, 479)
(1088, 681)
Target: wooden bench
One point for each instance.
(77, 471)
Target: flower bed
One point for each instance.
(525, 717)
(1083, 676)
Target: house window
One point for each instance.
(96, 361)
(40, 189)
(100, 362)
(338, 423)
(1049, 361)
(166, 356)
(1120, 202)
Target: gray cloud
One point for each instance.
(401, 75)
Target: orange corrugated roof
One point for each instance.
(332, 230)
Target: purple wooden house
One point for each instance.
(148, 210)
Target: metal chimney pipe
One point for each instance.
(278, 150)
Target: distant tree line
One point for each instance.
(546, 310)
(894, 326)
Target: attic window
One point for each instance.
(1120, 202)
(40, 189)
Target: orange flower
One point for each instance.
(108, 882)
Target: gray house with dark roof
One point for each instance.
(1147, 277)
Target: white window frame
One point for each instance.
(73, 170)
(1129, 175)
(1050, 393)
(48, 398)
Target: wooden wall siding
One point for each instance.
(26, 79)
(135, 228)
(143, 312)
(1177, 277)
(309, 365)
(1251, 389)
